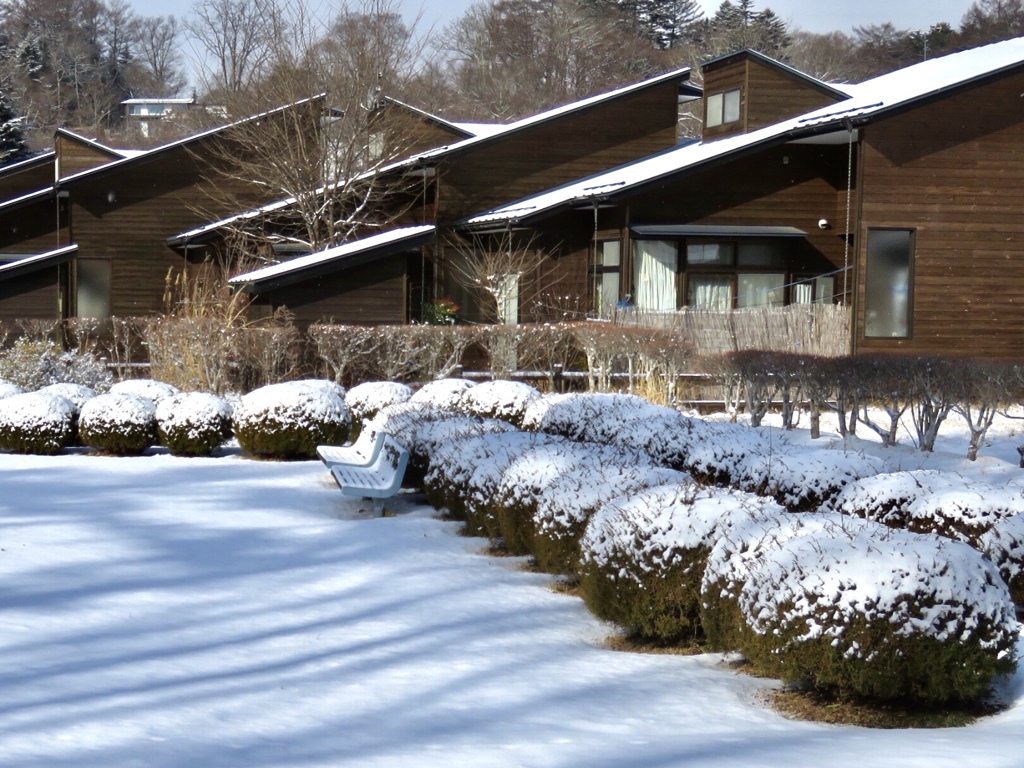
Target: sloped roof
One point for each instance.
(430, 117)
(29, 162)
(870, 100)
(485, 135)
(839, 90)
(29, 264)
(92, 143)
(346, 255)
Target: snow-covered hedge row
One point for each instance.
(643, 556)
(150, 389)
(669, 559)
(505, 400)
(441, 393)
(36, 422)
(289, 420)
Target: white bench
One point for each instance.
(379, 480)
(362, 453)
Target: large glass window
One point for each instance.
(814, 290)
(607, 275)
(93, 288)
(700, 254)
(760, 290)
(723, 108)
(887, 292)
(655, 264)
(709, 291)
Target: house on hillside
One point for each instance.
(900, 196)
(386, 276)
(91, 242)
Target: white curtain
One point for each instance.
(654, 274)
(710, 292)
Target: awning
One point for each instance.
(26, 264)
(713, 230)
(353, 254)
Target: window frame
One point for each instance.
(908, 310)
(599, 269)
(716, 108)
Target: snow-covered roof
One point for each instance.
(37, 261)
(103, 148)
(291, 270)
(429, 116)
(481, 129)
(485, 132)
(16, 202)
(28, 162)
(869, 100)
(838, 89)
(551, 114)
(159, 101)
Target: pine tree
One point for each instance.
(13, 145)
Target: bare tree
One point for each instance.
(158, 52)
(236, 40)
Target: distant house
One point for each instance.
(900, 196)
(386, 277)
(91, 242)
(146, 114)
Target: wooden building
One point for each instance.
(92, 241)
(496, 165)
(900, 196)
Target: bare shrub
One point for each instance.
(985, 388)
(126, 344)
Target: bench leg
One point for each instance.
(378, 507)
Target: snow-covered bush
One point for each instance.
(883, 615)
(8, 388)
(289, 420)
(533, 485)
(403, 421)
(801, 479)
(427, 438)
(929, 501)
(34, 422)
(366, 400)
(736, 551)
(643, 555)
(1003, 544)
(33, 365)
(716, 450)
(442, 393)
(588, 416)
(78, 394)
(150, 389)
(193, 423)
(120, 424)
(464, 474)
(505, 400)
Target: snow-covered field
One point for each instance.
(157, 611)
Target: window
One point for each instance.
(508, 300)
(887, 290)
(93, 288)
(607, 275)
(814, 290)
(655, 265)
(709, 291)
(710, 253)
(723, 108)
(760, 290)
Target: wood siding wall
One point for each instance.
(32, 229)
(953, 171)
(74, 156)
(372, 294)
(32, 296)
(31, 178)
(769, 94)
(559, 151)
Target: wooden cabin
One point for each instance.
(900, 198)
(464, 177)
(116, 208)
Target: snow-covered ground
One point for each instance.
(163, 612)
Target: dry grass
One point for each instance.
(630, 644)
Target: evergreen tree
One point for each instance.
(739, 25)
(13, 146)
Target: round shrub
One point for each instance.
(366, 400)
(442, 393)
(505, 400)
(124, 425)
(889, 616)
(642, 557)
(929, 501)
(7, 389)
(79, 395)
(193, 423)
(1003, 544)
(35, 423)
(736, 552)
(289, 420)
(151, 389)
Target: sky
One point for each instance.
(811, 15)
